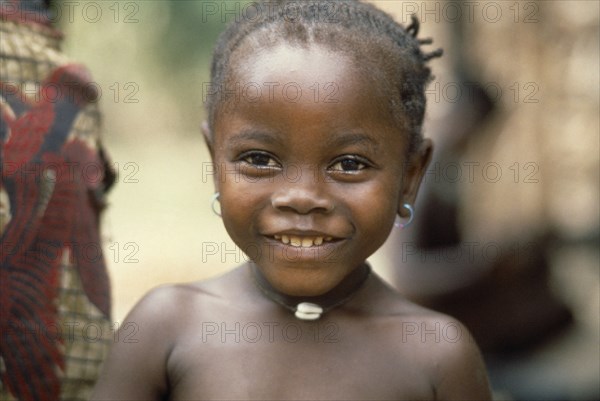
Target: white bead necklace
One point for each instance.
(312, 308)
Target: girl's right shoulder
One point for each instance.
(183, 305)
(171, 300)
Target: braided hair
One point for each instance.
(381, 46)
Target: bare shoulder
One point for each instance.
(441, 346)
(146, 341)
(453, 359)
(171, 301)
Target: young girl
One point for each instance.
(314, 128)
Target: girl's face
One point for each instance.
(310, 166)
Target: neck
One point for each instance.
(337, 296)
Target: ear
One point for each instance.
(413, 174)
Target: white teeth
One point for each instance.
(296, 241)
(304, 242)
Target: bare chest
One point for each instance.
(300, 362)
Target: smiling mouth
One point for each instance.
(302, 241)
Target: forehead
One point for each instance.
(285, 80)
(294, 62)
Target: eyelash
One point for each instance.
(271, 161)
(250, 159)
(361, 163)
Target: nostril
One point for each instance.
(302, 202)
(302, 208)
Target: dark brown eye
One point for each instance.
(260, 160)
(348, 164)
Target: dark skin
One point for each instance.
(202, 341)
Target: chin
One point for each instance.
(301, 282)
(303, 290)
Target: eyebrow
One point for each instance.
(355, 138)
(254, 135)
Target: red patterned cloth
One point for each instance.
(54, 288)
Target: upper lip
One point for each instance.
(303, 233)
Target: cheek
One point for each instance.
(374, 207)
(241, 203)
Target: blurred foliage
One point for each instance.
(192, 32)
(167, 51)
(185, 50)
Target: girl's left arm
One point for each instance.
(461, 373)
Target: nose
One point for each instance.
(304, 195)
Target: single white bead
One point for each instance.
(307, 316)
(308, 311)
(309, 308)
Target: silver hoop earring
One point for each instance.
(213, 200)
(411, 212)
